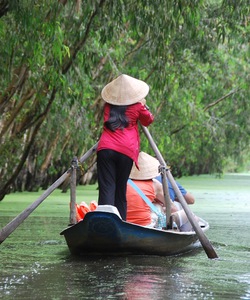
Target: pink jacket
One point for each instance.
(127, 140)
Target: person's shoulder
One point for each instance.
(137, 105)
(156, 182)
(106, 106)
(158, 178)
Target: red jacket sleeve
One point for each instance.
(145, 117)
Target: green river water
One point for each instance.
(35, 262)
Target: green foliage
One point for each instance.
(57, 57)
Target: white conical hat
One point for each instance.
(125, 90)
(148, 165)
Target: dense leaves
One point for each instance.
(57, 56)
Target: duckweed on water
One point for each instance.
(35, 259)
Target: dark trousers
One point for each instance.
(113, 169)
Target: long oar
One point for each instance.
(12, 225)
(166, 196)
(203, 239)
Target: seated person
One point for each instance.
(138, 211)
(187, 196)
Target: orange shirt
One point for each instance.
(138, 211)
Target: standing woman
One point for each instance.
(119, 144)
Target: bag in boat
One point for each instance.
(158, 217)
(83, 208)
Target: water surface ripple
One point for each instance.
(36, 264)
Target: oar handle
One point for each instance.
(203, 239)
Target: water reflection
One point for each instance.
(105, 278)
(192, 276)
(35, 261)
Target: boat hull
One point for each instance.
(105, 233)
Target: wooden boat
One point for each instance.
(104, 232)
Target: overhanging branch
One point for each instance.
(220, 99)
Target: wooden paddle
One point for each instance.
(166, 196)
(74, 166)
(12, 225)
(203, 239)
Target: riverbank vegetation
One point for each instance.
(57, 55)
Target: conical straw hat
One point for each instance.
(125, 90)
(148, 166)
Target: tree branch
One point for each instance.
(4, 7)
(81, 42)
(4, 190)
(220, 99)
(19, 78)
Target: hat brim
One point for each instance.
(125, 90)
(148, 167)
